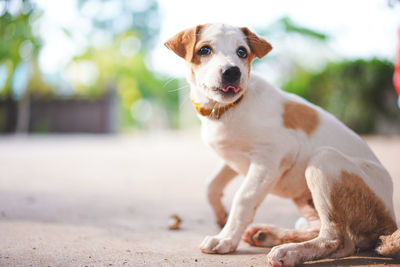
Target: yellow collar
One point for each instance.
(216, 113)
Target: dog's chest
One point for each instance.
(230, 143)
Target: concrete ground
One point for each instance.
(94, 200)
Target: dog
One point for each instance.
(286, 146)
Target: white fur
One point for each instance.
(252, 141)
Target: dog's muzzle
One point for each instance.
(230, 80)
(231, 75)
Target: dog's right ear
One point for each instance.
(183, 42)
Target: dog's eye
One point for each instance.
(242, 52)
(204, 51)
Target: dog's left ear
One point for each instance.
(183, 42)
(259, 47)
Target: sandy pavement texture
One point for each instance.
(98, 200)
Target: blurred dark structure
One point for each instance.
(8, 115)
(63, 115)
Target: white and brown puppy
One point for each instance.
(286, 146)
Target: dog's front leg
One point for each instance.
(259, 180)
(215, 190)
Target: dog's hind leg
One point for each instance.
(351, 214)
(264, 235)
(215, 191)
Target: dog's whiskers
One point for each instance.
(179, 89)
(185, 99)
(169, 80)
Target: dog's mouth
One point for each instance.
(230, 88)
(228, 92)
(223, 93)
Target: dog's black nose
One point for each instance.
(231, 74)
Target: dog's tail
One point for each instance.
(390, 245)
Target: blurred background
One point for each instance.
(99, 66)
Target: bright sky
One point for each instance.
(359, 28)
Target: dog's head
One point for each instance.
(219, 58)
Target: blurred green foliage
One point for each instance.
(118, 64)
(360, 92)
(285, 25)
(19, 44)
(122, 65)
(132, 79)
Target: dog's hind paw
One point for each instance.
(217, 245)
(259, 235)
(285, 255)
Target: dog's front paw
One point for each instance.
(215, 244)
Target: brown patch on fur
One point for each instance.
(332, 245)
(390, 245)
(358, 212)
(310, 202)
(249, 59)
(327, 245)
(300, 116)
(285, 164)
(258, 46)
(197, 59)
(296, 236)
(183, 43)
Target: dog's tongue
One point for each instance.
(235, 89)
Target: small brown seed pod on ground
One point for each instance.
(174, 222)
